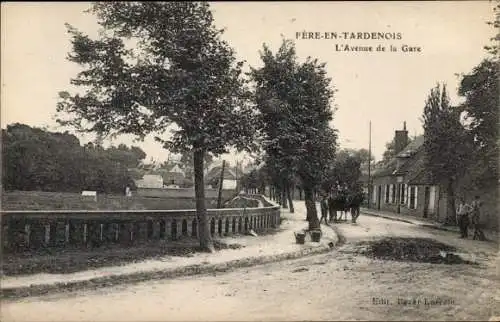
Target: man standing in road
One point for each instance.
(476, 219)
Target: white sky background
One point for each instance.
(386, 88)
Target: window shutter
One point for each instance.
(416, 197)
(406, 195)
(408, 192)
(432, 199)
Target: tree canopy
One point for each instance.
(35, 159)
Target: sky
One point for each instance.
(384, 88)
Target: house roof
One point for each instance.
(386, 169)
(215, 171)
(412, 147)
(176, 169)
(404, 161)
(415, 170)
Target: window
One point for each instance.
(402, 195)
(393, 193)
(412, 202)
(172, 181)
(386, 193)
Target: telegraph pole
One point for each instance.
(369, 164)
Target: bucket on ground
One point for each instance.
(300, 237)
(315, 235)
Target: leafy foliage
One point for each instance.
(363, 155)
(180, 71)
(494, 49)
(294, 100)
(34, 159)
(250, 180)
(480, 89)
(446, 146)
(345, 171)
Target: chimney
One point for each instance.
(400, 139)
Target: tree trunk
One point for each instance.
(284, 197)
(277, 194)
(312, 214)
(290, 202)
(451, 214)
(206, 242)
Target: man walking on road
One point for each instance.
(476, 219)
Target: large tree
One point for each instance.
(273, 84)
(446, 144)
(480, 89)
(179, 71)
(295, 102)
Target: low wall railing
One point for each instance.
(31, 230)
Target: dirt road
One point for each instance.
(341, 285)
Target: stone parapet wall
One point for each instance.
(30, 230)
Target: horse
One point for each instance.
(354, 202)
(337, 203)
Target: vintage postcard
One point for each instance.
(250, 161)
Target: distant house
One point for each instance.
(213, 176)
(402, 185)
(174, 177)
(150, 181)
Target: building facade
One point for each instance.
(403, 186)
